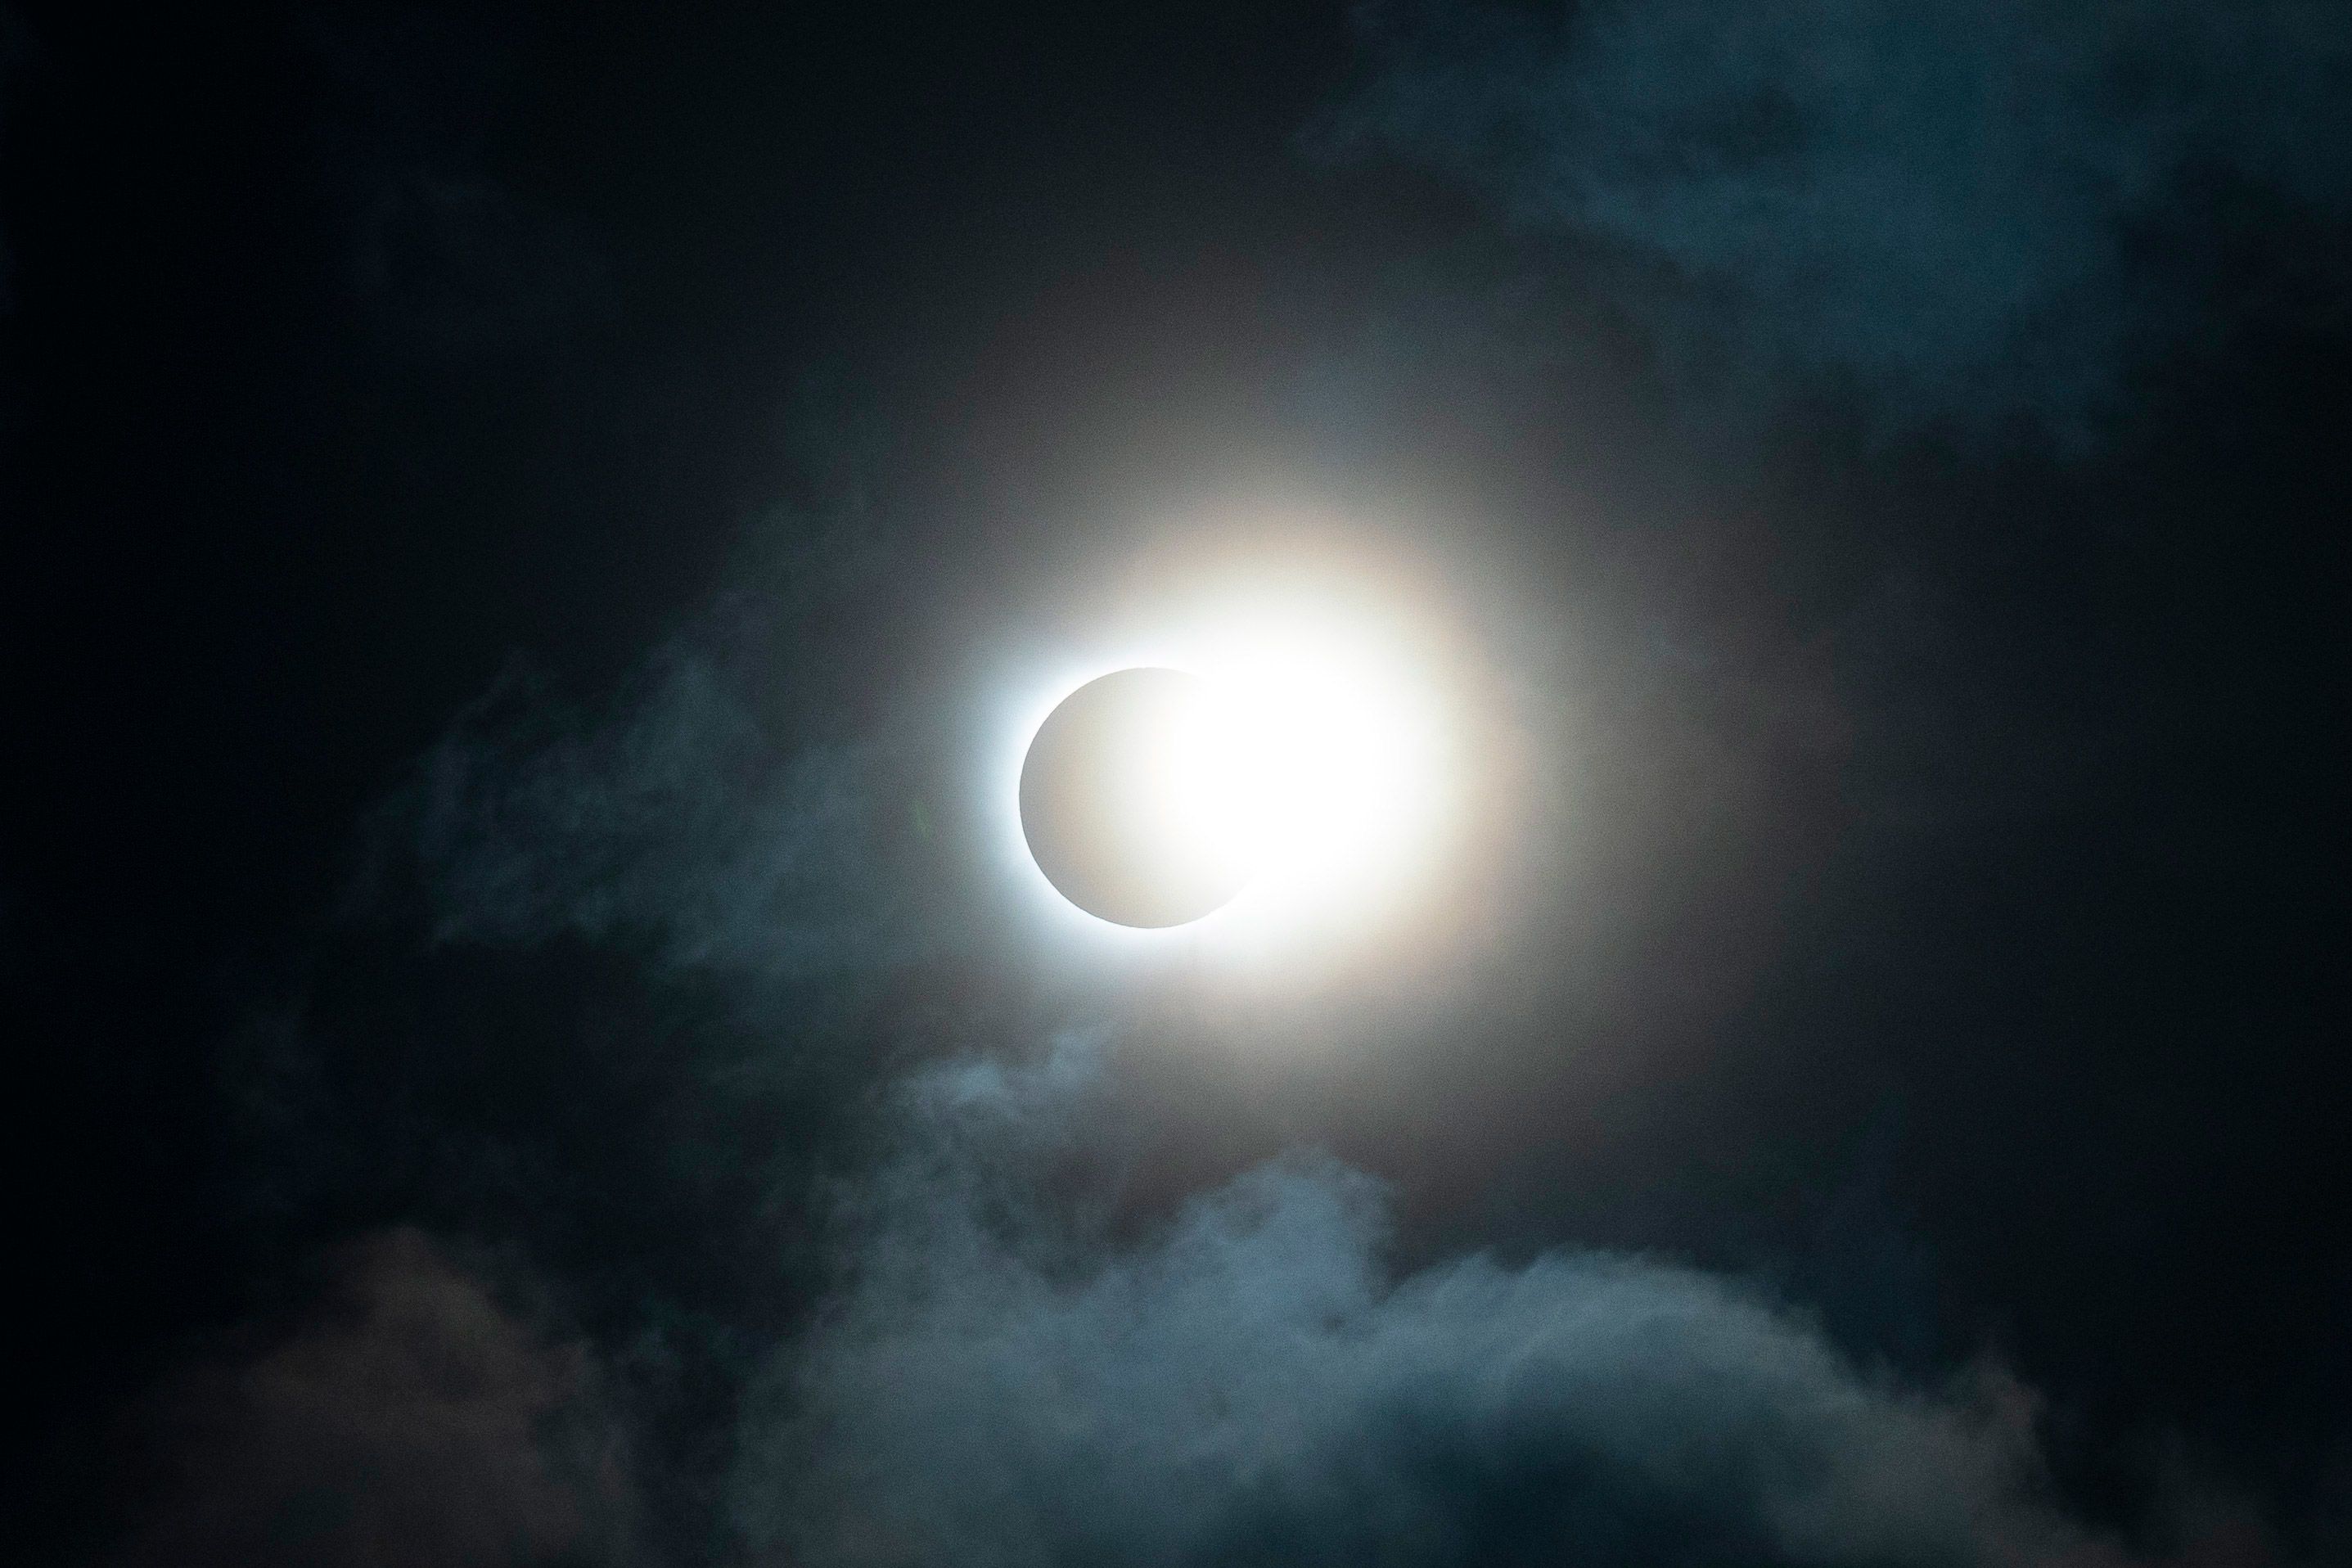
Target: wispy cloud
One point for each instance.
(681, 813)
(1964, 214)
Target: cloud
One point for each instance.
(681, 818)
(1001, 1368)
(691, 814)
(1002, 1382)
(1002, 1371)
(413, 1419)
(1967, 214)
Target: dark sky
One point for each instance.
(519, 525)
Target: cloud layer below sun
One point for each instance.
(996, 1384)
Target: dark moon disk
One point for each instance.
(1098, 837)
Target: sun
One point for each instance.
(1268, 768)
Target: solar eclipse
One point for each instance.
(1276, 768)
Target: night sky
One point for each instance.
(522, 531)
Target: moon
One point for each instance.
(1127, 799)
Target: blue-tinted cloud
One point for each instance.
(1964, 214)
(999, 1384)
(681, 820)
(684, 817)
(997, 1372)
